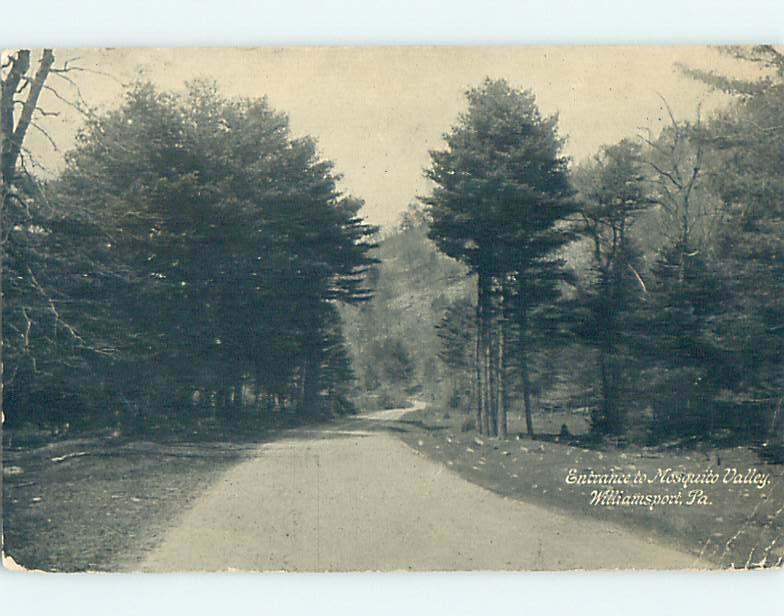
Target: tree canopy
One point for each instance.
(211, 248)
(500, 199)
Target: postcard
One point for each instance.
(392, 308)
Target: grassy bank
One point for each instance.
(737, 525)
(99, 502)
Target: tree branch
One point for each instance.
(47, 135)
(19, 66)
(47, 59)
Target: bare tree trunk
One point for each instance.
(492, 368)
(523, 355)
(13, 136)
(529, 421)
(485, 391)
(485, 314)
(478, 357)
(312, 386)
(19, 66)
(502, 393)
(492, 383)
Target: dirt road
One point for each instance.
(354, 497)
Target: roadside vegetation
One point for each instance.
(185, 267)
(643, 286)
(194, 281)
(741, 527)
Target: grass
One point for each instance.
(742, 527)
(99, 502)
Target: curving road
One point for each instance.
(354, 497)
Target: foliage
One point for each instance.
(393, 343)
(211, 249)
(613, 193)
(501, 194)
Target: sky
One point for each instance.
(377, 111)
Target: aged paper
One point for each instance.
(393, 308)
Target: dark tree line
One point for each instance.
(661, 258)
(193, 255)
(196, 252)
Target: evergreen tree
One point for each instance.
(746, 246)
(750, 242)
(501, 190)
(677, 336)
(219, 247)
(613, 193)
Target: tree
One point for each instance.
(748, 138)
(708, 325)
(687, 299)
(456, 333)
(14, 129)
(220, 246)
(613, 192)
(501, 190)
(674, 330)
(43, 350)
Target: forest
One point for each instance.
(195, 262)
(186, 265)
(641, 289)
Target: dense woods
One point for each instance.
(187, 263)
(641, 287)
(659, 262)
(196, 260)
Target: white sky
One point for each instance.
(376, 111)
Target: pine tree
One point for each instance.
(613, 193)
(501, 190)
(749, 243)
(677, 334)
(222, 245)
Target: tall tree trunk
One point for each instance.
(529, 420)
(492, 376)
(492, 383)
(478, 357)
(503, 424)
(486, 393)
(312, 385)
(522, 323)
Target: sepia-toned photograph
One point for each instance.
(349, 309)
